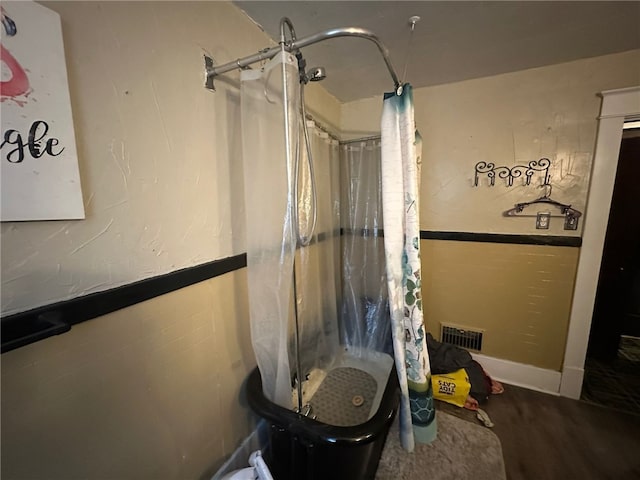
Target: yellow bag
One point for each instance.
(452, 388)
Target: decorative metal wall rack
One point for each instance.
(511, 173)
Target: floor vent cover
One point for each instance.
(462, 337)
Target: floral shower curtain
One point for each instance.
(400, 169)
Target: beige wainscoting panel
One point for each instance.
(149, 391)
(520, 295)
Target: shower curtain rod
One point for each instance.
(212, 71)
(358, 140)
(322, 127)
(333, 136)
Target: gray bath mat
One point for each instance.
(462, 451)
(345, 397)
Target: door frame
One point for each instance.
(618, 106)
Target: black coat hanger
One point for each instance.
(545, 199)
(571, 214)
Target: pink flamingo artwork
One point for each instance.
(18, 84)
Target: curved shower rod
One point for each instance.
(212, 71)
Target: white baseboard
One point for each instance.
(571, 385)
(521, 375)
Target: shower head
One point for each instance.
(316, 74)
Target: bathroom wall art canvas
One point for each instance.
(40, 176)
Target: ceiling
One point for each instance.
(453, 41)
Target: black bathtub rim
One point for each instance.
(361, 434)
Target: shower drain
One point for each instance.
(345, 397)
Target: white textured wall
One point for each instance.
(159, 156)
(507, 119)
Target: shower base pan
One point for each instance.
(354, 404)
(344, 398)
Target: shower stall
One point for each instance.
(320, 323)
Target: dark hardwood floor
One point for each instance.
(545, 437)
(615, 383)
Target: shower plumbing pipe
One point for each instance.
(285, 22)
(292, 178)
(212, 71)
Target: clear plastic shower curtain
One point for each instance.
(270, 237)
(272, 246)
(317, 279)
(365, 322)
